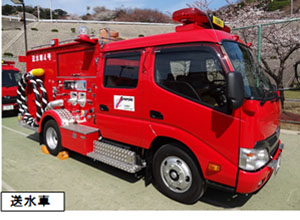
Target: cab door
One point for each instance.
(119, 110)
(188, 95)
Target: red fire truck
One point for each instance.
(10, 78)
(188, 109)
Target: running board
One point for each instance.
(115, 156)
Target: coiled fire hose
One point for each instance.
(40, 94)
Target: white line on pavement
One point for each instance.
(13, 130)
(7, 187)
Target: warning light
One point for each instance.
(83, 32)
(193, 18)
(190, 15)
(7, 62)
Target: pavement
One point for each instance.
(90, 185)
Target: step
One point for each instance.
(79, 128)
(78, 137)
(115, 156)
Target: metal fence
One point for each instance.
(259, 42)
(259, 28)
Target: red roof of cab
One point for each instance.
(9, 66)
(202, 35)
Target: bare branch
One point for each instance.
(296, 47)
(268, 70)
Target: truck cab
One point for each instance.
(10, 78)
(188, 109)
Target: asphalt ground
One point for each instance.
(90, 185)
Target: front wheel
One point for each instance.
(52, 137)
(176, 175)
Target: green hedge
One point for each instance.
(277, 4)
(8, 54)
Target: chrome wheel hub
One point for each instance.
(176, 174)
(51, 138)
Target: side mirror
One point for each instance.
(235, 89)
(297, 71)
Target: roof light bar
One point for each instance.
(198, 18)
(190, 15)
(7, 62)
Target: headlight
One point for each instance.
(253, 159)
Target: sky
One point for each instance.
(79, 7)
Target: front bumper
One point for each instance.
(10, 107)
(249, 182)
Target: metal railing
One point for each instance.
(260, 30)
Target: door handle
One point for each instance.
(104, 108)
(156, 115)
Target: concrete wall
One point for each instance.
(13, 36)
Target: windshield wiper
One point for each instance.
(264, 100)
(266, 94)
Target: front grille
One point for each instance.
(271, 143)
(273, 151)
(9, 99)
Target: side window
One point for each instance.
(121, 70)
(194, 73)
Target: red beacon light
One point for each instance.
(83, 33)
(9, 63)
(190, 15)
(84, 36)
(193, 18)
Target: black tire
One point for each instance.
(188, 186)
(52, 137)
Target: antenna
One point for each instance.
(212, 26)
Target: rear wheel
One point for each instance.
(52, 137)
(176, 175)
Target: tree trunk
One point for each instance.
(282, 99)
(280, 86)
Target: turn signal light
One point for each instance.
(214, 167)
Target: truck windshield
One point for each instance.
(257, 85)
(10, 78)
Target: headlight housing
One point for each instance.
(253, 159)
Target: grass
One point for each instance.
(293, 107)
(292, 94)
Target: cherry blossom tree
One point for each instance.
(280, 42)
